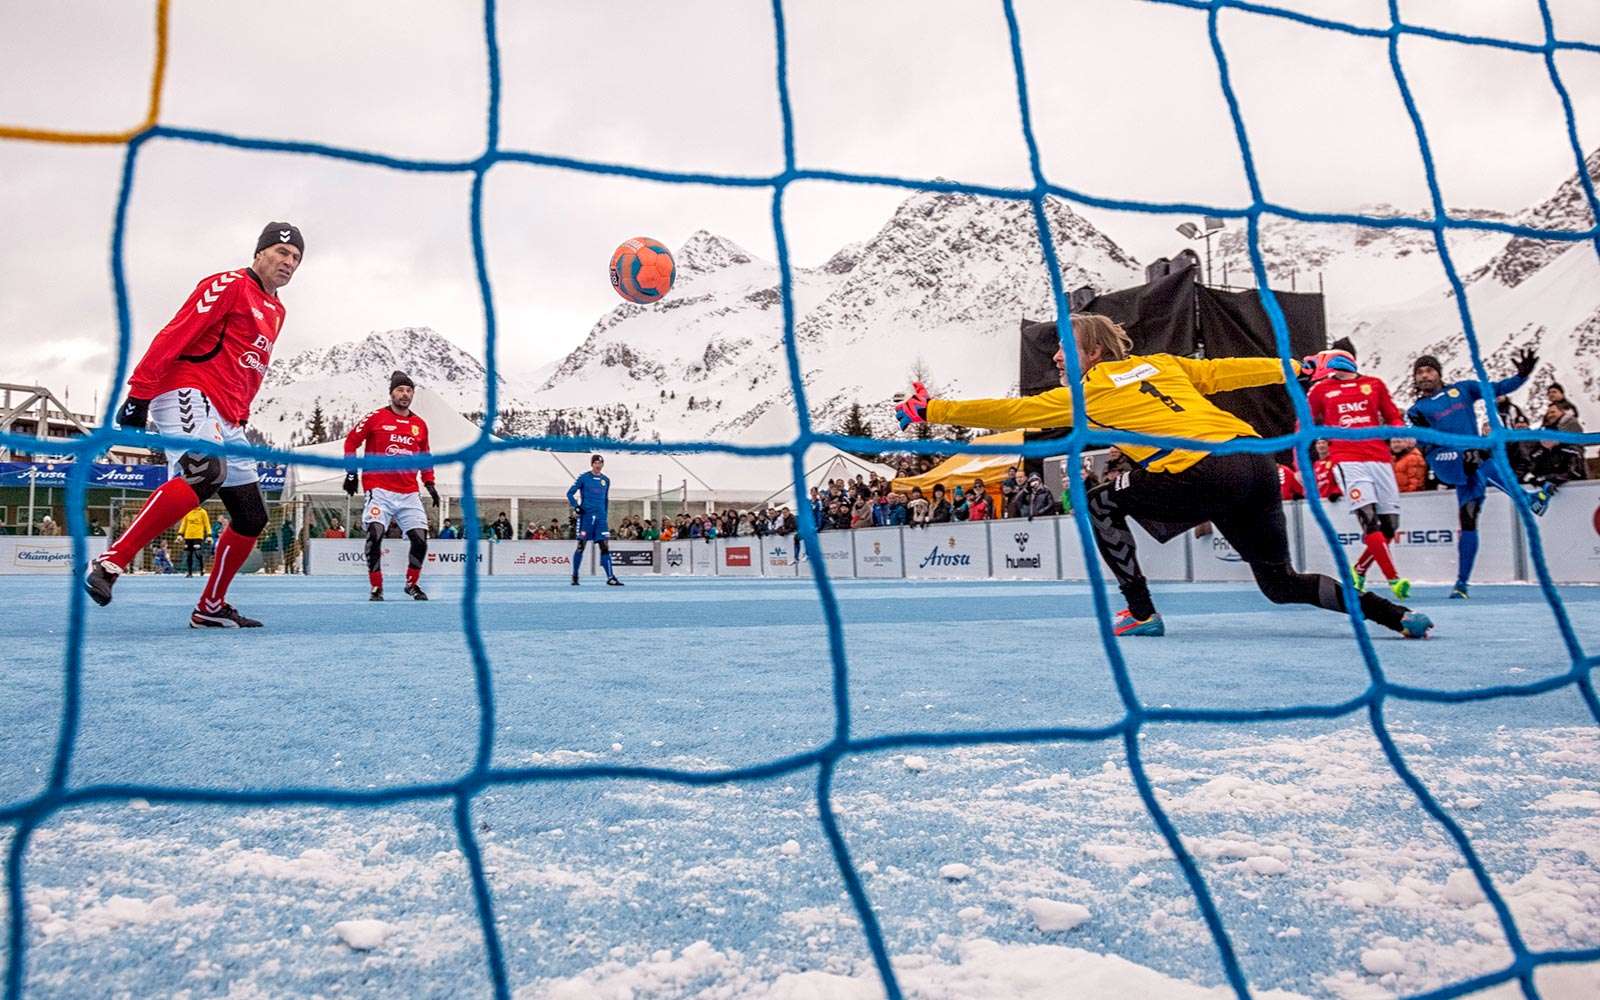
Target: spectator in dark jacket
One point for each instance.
(1552, 463)
(1556, 394)
(939, 509)
(958, 505)
(1032, 500)
(1010, 486)
(501, 527)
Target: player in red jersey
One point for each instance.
(1343, 397)
(392, 493)
(197, 380)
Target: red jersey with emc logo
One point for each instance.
(1362, 401)
(386, 432)
(220, 343)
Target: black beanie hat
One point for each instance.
(280, 232)
(1427, 361)
(399, 379)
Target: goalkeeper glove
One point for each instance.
(1305, 371)
(433, 491)
(352, 482)
(913, 409)
(1525, 360)
(135, 413)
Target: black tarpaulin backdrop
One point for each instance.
(1175, 315)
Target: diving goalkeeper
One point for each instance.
(1170, 490)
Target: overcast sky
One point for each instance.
(1125, 97)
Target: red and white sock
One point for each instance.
(375, 577)
(232, 550)
(166, 505)
(412, 573)
(1379, 547)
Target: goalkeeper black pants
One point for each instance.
(1238, 494)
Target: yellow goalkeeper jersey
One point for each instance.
(196, 524)
(1148, 394)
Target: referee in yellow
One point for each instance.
(1170, 490)
(194, 529)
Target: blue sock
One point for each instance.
(605, 562)
(1467, 551)
(577, 555)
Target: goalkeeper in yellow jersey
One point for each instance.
(1170, 490)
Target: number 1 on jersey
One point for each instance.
(1149, 389)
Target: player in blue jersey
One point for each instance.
(588, 496)
(1453, 409)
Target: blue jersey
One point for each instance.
(590, 492)
(1454, 410)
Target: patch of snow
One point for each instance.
(363, 935)
(955, 871)
(914, 763)
(1263, 864)
(1051, 915)
(1380, 961)
(1462, 889)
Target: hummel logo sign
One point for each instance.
(283, 235)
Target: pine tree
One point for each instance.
(855, 425)
(317, 426)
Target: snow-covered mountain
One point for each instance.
(1386, 289)
(351, 379)
(939, 289)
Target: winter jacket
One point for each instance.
(939, 513)
(861, 514)
(979, 509)
(1410, 470)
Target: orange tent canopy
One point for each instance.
(961, 470)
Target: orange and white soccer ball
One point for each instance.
(642, 270)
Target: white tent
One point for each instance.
(530, 474)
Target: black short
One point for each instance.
(1236, 492)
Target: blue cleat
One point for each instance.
(1416, 625)
(1460, 591)
(1126, 624)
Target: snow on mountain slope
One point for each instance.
(1358, 269)
(943, 283)
(941, 288)
(352, 379)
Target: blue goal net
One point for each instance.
(25, 817)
